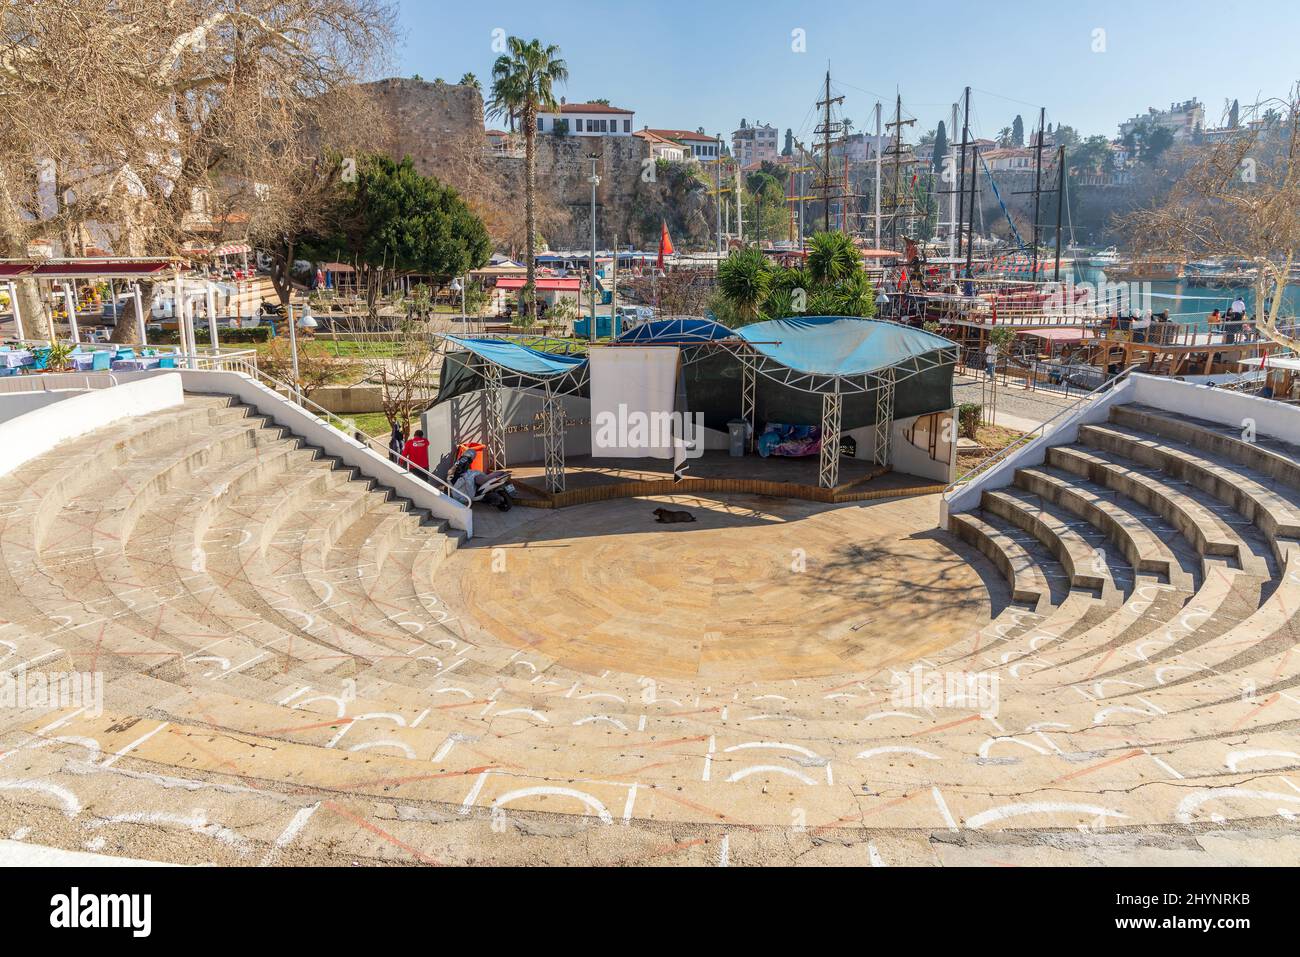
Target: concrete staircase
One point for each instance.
(285, 680)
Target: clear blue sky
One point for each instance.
(686, 64)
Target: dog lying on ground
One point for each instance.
(666, 516)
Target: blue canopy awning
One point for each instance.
(520, 359)
(839, 346)
(677, 331)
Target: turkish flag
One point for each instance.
(665, 243)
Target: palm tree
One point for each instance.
(832, 258)
(469, 79)
(744, 279)
(523, 85)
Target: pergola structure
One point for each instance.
(505, 362)
(827, 356)
(812, 355)
(68, 272)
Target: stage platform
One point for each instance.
(597, 480)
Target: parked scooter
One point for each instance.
(492, 488)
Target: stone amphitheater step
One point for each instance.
(1244, 445)
(73, 582)
(1155, 618)
(320, 681)
(686, 780)
(1211, 526)
(1090, 562)
(1028, 582)
(188, 820)
(1146, 541)
(1264, 501)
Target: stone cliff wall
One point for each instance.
(440, 126)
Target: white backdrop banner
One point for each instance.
(633, 392)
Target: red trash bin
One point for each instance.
(479, 449)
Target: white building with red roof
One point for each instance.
(661, 147)
(586, 119)
(698, 145)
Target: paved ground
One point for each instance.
(1017, 407)
(756, 589)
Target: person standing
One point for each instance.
(396, 442)
(991, 358)
(1236, 313)
(1140, 325)
(416, 452)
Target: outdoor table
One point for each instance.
(138, 364)
(82, 361)
(16, 358)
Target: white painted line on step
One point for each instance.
(112, 758)
(291, 831)
(943, 810)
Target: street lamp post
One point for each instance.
(458, 286)
(594, 180)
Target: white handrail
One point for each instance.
(416, 471)
(1028, 437)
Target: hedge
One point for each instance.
(173, 337)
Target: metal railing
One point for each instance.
(1041, 430)
(417, 472)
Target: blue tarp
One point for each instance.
(676, 331)
(519, 358)
(834, 345)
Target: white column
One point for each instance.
(187, 311)
(70, 301)
(177, 311)
(18, 316)
(212, 318)
(139, 316)
(293, 347)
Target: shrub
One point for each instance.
(224, 336)
(968, 419)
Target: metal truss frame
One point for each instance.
(496, 428)
(748, 411)
(553, 439)
(829, 474)
(882, 430)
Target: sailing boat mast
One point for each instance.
(879, 117)
(961, 172)
(1038, 186)
(952, 195)
(1060, 203)
(826, 128)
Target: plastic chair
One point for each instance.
(167, 362)
(125, 354)
(6, 371)
(101, 362)
(40, 359)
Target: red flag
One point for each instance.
(665, 244)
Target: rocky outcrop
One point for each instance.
(440, 126)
